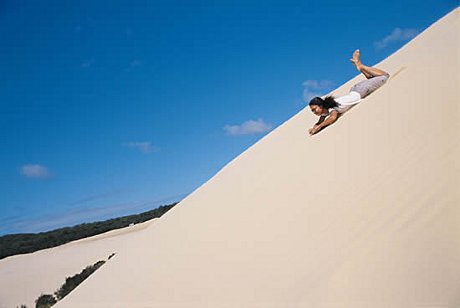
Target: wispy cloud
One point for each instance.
(133, 64)
(313, 88)
(143, 146)
(34, 171)
(88, 62)
(83, 209)
(80, 214)
(72, 217)
(397, 34)
(250, 127)
(100, 196)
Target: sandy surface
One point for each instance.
(25, 277)
(364, 214)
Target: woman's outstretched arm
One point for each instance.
(333, 116)
(321, 119)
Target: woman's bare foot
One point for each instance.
(355, 60)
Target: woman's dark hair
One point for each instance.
(327, 102)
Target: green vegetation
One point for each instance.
(45, 301)
(48, 300)
(72, 282)
(14, 244)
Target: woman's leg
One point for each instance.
(368, 71)
(375, 77)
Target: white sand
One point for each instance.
(24, 277)
(364, 214)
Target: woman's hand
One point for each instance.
(333, 116)
(314, 130)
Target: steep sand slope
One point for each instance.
(365, 214)
(24, 277)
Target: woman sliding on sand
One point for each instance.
(330, 108)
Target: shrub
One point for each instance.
(45, 301)
(72, 282)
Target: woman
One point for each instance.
(330, 108)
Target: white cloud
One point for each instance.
(315, 88)
(143, 146)
(250, 127)
(397, 34)
(315, 84)
(308, 94)
(34, 171)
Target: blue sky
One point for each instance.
(110, 108)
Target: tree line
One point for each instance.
(14, 244)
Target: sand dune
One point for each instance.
(364, 214)
(25, 277)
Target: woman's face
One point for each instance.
(318, 110)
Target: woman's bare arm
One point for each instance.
(323, 122)
(321, 119)
(333, 115)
